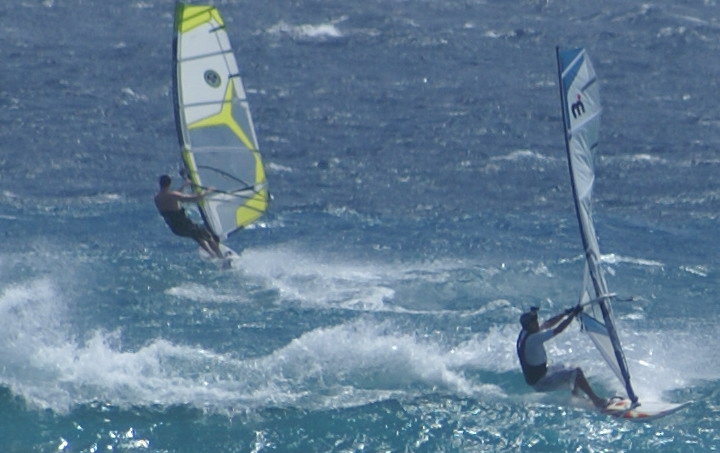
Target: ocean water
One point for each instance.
(421, 202)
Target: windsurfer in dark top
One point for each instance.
(531, 352)
(169, 204)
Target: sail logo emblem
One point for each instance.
(577, 108)
(212, 78)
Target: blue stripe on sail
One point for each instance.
(568, 72)
(567, 56)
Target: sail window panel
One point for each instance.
(241, 116)
(594, 327)
(210, 212)
(220, 136)
(226, 171)
(224, 221)
(226, 215)
(601, 338)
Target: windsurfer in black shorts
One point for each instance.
(533, 359)
(169, 204)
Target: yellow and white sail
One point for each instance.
(217, 137)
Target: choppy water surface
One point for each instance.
(421, 202)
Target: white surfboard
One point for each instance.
(647, 410)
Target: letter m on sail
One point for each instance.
(577, 108)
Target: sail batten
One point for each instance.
(581, 108)
(215, 128)
(206, 55)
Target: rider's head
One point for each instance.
(164, 181)
(528, 320)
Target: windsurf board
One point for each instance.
(647, 410)
(231, 257)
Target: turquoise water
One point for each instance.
(421, 202)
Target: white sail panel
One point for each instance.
(580, 95)
(592, 320)
(217, 135)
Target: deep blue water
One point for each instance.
(421, 202)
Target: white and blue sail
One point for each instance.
(217, 137)
(580, 95)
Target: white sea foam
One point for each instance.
(313, 32)
(664, 360)
(612, 258)
(323, 280)
(364, 355)
(348, 364)
(521, 154)
(279, 168)
(201, 293)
